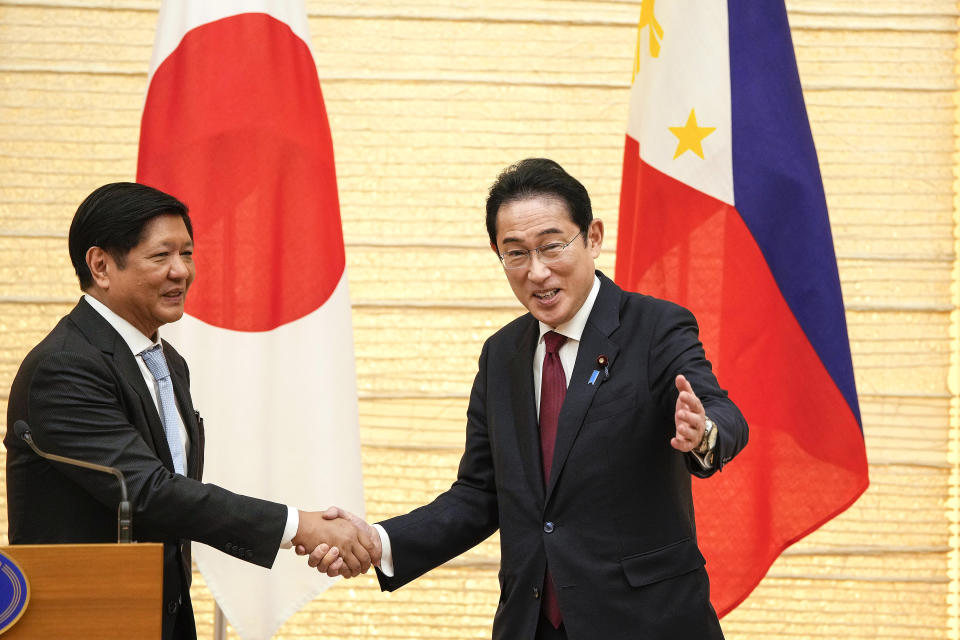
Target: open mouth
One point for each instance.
(546, 296)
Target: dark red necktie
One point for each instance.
(553, 389)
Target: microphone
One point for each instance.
(124, 515)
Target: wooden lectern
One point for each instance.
(84, 591)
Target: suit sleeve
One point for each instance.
(76, 409)
(677, 350)
(458, 519)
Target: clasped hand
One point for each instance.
(339, 543)
(342, 544)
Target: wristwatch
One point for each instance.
(709, 440)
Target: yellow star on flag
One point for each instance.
(690, 136)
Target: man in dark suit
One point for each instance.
(587, 418)
(104, 388)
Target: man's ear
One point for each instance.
(595, 236)
(101, 265)
(495, 250)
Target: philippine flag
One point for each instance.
(235, 126)
(723, 211)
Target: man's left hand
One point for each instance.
(690, 418)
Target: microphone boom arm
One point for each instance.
(124, 515)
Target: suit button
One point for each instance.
(548, 527)
(228, 547)
(249, 554)
(536, 593)
(172, 607)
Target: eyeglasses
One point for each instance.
(519, 258)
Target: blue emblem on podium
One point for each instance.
(14, 592)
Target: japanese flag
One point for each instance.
(234, 125)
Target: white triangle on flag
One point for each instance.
(690, 71)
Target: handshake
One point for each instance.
(338, 542)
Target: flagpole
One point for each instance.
(219, 623)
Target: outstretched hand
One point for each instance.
(689, 417)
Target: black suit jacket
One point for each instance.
(83, 395)
(615, 522)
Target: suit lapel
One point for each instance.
(524, 408)
(594, 342)
(99, 332)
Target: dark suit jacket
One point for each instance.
(615, 523)
(83, 395)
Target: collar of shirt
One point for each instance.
(573, 329)
(130, 334)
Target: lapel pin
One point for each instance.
(603, 363)
(593, 376)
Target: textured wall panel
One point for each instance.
(427, 101)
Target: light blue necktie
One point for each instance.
(157, 364)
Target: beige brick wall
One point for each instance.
(427, 102)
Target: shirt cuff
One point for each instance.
(386, 553)
(290, 530)
(706, 461)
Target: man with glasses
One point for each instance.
(588, 417)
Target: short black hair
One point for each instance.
(113, 218)
(538, 177)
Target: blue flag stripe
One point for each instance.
(777, 185)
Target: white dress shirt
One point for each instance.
(137, 342)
